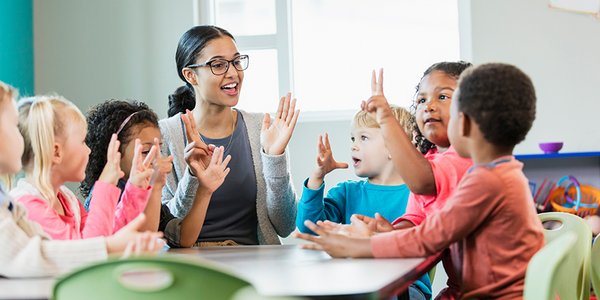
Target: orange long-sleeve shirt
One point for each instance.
(490, 225)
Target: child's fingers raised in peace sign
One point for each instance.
(162, 166)
(377, 85)
(377, 104)
(141, 169)
(112, 169)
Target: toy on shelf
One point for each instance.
(574, 198)
(551, 147)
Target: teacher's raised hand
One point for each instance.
(196, 149)
(275, 134)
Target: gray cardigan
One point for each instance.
(275, 195)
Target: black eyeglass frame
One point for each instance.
(229, 62)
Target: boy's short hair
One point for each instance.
(500, 98)
(402, 115)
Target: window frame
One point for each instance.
(280, 41)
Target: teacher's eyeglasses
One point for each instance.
(220, 66)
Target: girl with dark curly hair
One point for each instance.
(135, 123)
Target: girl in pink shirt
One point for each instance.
(433, 169)
(55, 152)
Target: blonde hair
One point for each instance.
(402, 115)
(7, 93)
(42, 120)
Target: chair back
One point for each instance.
(162, 277)
(580, 256)
(595, 269)
(550, 274)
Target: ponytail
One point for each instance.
(41, 134)
(183, 98)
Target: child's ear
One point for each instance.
(190, 76)
(57, 154)
(465, 124)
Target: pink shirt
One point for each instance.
(448, 169)
(104, 218)
(492, 229)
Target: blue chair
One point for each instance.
(162, 277)
(550, 274)
(580, 256)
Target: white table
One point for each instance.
(289, 270)
(39, 288)
(280, 270)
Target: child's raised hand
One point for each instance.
(162, 167)
(378, 105)
(196, 149)
(325, 163)
(275, 135)
(112, 169)
(141, 169)
(212, 176)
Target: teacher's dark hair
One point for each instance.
(191, 44)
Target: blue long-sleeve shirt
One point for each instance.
(355, 197)
(348, 198)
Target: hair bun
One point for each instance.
(183, 98)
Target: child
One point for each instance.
(383, 191)
(490, 222)
(26, 250)
(430, 178)
(55, 153)
(130, 121)
(135, 120)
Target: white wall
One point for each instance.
(561, 53)
(90, 51)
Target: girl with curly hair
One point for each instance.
(135, 123)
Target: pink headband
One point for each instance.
(125, 122)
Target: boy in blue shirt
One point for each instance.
(383, 191)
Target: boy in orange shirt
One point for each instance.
(489, 223)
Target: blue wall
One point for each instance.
(16, 44)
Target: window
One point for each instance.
(335, 45)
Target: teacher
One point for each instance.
(256, 202)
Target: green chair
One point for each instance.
(162, 277)
(580, 256)
(595, 269)
(431, 274)
(550, 274)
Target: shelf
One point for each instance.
(557, 155)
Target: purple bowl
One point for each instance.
(551, 147)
